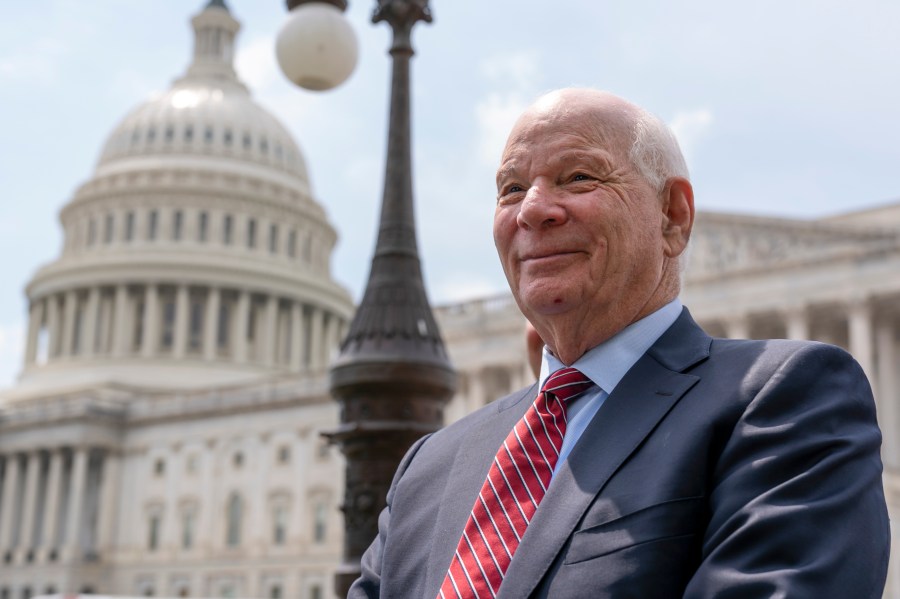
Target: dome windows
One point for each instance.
(251, 233)
(208, 135)
(151, 135)
(273, 238)
(227, 137)
(227, 229)
(177, 225)
(265, 236)
(202, 226)
(292, 244)
(152, 225)
(170, 134)
(108, 229)
(129, 226)
(248, 142)
(189, 134)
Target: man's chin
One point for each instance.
(543, 301)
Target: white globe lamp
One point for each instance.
(316, 47)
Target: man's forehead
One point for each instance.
(595, 124)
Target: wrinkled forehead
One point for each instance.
(593, 122)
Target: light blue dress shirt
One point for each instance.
(605, 365)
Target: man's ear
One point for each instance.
(678, 215)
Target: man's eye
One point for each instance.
(580, 177)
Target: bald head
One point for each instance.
(649, 143)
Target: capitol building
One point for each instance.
(163, 437)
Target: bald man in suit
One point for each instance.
(690, 466)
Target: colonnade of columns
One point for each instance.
(57, 504)
(865, 327)
(181, 320)
(486, 384)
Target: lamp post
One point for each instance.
(392, 377)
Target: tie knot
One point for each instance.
(566, 384)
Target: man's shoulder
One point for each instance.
(776, 349)
(454, 432)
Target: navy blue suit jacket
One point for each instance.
(717, 468)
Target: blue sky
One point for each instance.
(783, 107)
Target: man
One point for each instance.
(681, 466)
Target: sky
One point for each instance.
(788, 108)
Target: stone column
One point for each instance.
(120, 328)
(269, 336)
(8, 517)
(738, 327)
(150, 330)
(50, 534)
(240, 326)
(76, 503)
(860, 327)
(257, 504)
(317, 352)
(297, 358)
(70, 303)
(53, 328)
(211, 324)
(109, 503)
(211, 501)
(89, 331)
(476, 397)
(886, 393)
(35, 316)
(182, 321)
(329, 343)
(797, 320)
(29, 504)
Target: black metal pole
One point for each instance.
(393, 376)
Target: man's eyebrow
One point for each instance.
(594, 157)
(504, 172)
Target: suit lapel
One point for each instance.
(470, 467)
(646, 394)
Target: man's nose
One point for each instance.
(541, 208)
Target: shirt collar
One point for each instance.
(608, 362)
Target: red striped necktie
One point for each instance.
(515, 485)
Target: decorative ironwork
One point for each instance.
(393, 376)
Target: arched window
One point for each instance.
(235, 516)
(320, 522)
(153, 530)
(279, 524)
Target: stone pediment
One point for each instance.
(726, 244)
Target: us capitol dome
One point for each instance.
(196, 253)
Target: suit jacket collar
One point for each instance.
(642, 398)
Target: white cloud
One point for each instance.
(515, 74)
(12, 339)
(256, 64)
(690, 128)
(519, 69)
(496, 115)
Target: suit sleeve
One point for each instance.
(797, 507)
(368, 585)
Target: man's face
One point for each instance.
(576, 225)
